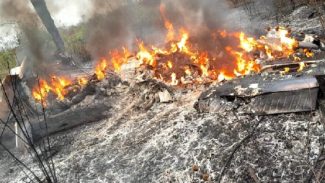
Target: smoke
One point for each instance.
(31, 43)
(69, 13)
(19, 11)
(114, 25)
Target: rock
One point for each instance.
(195, 168)
(128, 70)
(165, 96)
(205, 177)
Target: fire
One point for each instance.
(144, 56)
(240, 56)
(301, 66)
(285, 70)
(118, 58)
(174, 80)
(100, 69)
(41, 92)
(181, 45)
(82, 81)
(222, 76)
(169, 64)
(278, 43)
(248, 44)
(180, 61)
(308, 53)
(187, 71)
(286, 41)
(168, 25)
(57, 86)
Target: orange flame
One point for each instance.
(168, 25)
(82, 81)
(100, 69)
(57, 86)
(41, 92)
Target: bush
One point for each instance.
(7, 57)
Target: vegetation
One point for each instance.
(7, 57)
(75, 42)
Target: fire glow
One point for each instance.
(180, 61)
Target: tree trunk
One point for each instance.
(45, 16)
(293, 5)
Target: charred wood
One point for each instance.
(69, 119)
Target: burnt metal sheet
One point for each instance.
(285, 102)
(268, 96)
(291, 84)
(251, 86)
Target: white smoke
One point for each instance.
(69, 12)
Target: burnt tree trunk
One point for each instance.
(45, 16)
(293, 5)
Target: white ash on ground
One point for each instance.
(143, 140)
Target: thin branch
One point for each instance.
(20, 162)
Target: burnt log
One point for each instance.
(69, 119)
(308, 45)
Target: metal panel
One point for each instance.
(251, 86)
(285, 102)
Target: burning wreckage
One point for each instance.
(279, 73)
(274, 74)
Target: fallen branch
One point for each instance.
(237, 147)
